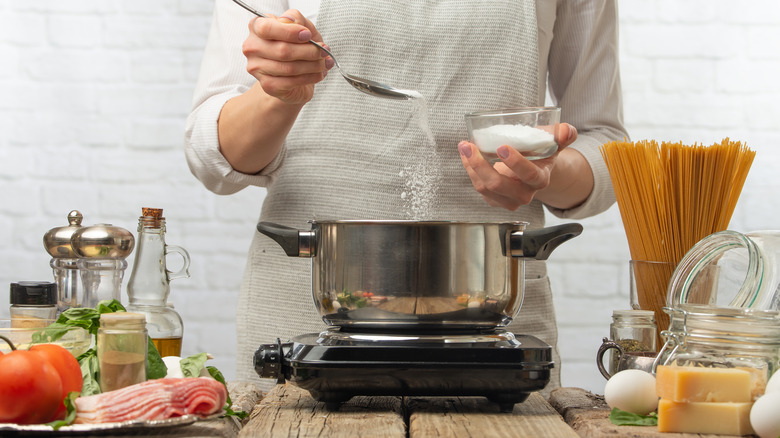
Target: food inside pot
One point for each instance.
(366, 308)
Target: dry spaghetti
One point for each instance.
(671, 196)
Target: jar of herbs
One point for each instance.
(631, 331)
(121, 350)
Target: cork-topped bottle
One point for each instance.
(149, 285)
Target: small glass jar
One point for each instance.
(121, 350)
(33, 304)
(708, 336)
(632, 331)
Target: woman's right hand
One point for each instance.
(280, 56)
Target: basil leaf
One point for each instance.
(155, 367)
(70, 409)
(622, 418)
(90, 372)
(217, 375)
(191, 366)
(51, 333)
(110, 306)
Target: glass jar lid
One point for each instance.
(729, 269)
(123, 320)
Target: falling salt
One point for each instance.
(521, 137)
(423, 170)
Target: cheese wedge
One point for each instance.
(702, 384)
(703, 417)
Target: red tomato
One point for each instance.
(30, 388)
(67, 367)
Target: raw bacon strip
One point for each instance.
(154, 400)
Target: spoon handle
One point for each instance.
(262, 15)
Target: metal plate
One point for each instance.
(101, 428)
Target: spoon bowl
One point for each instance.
(365, 85)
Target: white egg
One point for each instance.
(632, 391)
(773, 385)
(174, 368)
(765, 415)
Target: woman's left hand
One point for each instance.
(514, 180)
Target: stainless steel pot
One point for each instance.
(412, 275)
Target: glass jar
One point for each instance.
(33, 304)
(633, 331)
(730, 269)
(709, 336)
(121, 350)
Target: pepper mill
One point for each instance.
(102, 250)
(149, 284)
(64, 262)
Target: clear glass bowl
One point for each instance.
(531, 131)
(77, 340)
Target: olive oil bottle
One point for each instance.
(149, 285)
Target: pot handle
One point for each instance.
(540, 243)
(295, 243)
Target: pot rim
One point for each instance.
(412, 222)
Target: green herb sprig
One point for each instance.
(623, 418)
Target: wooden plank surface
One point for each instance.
(588, 415)
(288, 411)
(476, 417)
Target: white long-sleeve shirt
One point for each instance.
(352, 156)
(577, 62)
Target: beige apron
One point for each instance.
(354, 156)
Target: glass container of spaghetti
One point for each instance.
(729, 269)
(722, 337)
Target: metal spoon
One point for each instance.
(365, 85)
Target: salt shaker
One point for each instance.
(121, 350)
(33, 304)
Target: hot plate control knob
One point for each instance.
(268, 361)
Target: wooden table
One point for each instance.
(288, 411)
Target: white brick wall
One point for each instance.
(93, 97)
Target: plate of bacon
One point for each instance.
(159, 403)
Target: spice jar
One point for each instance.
(634, 330)
(33, 304)
(121, 350)
(631, 331)
(709, 336)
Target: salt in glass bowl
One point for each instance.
(531, 131)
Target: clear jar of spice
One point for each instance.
(121, 350)
(631, 331)
(634, 330)
(33, 304)
(708, 336)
